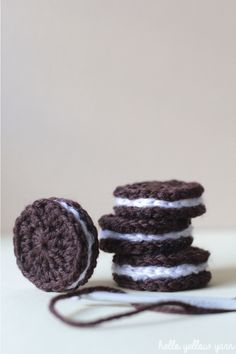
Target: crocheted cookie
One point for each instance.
(184, 270)
(55, 244)
(158, 200)
(138, 236)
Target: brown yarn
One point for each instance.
(50, 245)
(165, 306)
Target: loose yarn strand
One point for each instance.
(188, 309)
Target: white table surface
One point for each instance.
(29, 328)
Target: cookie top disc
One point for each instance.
(55, 244)
(171, 190)
(191, 255)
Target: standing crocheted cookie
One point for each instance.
(55, 244)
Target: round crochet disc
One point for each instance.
(55, 244)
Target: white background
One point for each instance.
(100, 93)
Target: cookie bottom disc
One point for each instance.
(192, 281)
(164, 247)
(159, 214)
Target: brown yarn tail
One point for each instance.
(186, 308)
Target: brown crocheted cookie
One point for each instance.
(186, 269)
(138, 236)
(158, 200)
(55, 244)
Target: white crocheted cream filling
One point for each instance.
(139, 237)
(156, 272)
(88, 236)
(152, 202)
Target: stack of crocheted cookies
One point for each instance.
(151, 236)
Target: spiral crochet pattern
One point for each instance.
(55, 244)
